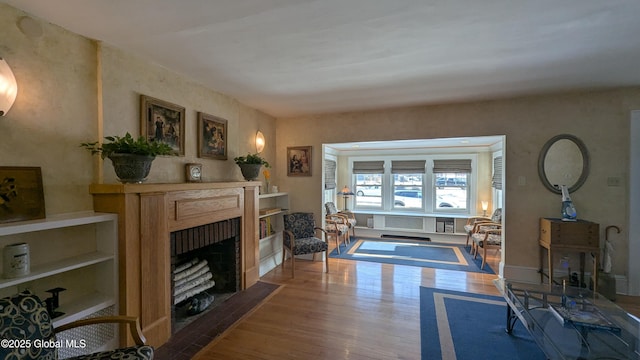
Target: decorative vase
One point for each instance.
(250, 171)
(16, 260)
(131, 168)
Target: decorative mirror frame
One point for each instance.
(585, 163)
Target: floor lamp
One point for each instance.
(345, 192)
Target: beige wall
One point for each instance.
(600, 119)
(57, 108)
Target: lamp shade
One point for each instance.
(345, 191)
(259, 141)
(8, 87)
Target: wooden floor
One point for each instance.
(360, 310)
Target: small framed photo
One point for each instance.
(21, 194)
(212, 137)
(299, 161)
(164, 122)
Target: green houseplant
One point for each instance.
(131, 157)
(250, 165)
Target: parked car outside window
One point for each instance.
(408, 198)
(364, 190)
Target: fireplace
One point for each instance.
(205, 268)
(149, 215)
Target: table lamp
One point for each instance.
(345, 192)
(485, 206)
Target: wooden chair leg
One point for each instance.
(337, 237)
(293, 266)
(326, 261)
(484, 257)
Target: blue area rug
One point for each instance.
(412, 253)
(459, 325)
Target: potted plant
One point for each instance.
(131, 157)
(250, 165)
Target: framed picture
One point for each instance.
(21, 194)
(212, 137)
(163, 121)
(299, 161)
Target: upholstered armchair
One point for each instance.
(24, 318)
(331, 209)
(485, 236)
(299, 238)
(338, 228)
(496, 217)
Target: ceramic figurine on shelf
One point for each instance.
(568, 210)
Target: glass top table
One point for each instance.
(570, 322)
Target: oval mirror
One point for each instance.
(563, 161)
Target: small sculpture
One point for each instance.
(568, 210)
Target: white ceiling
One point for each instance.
(293, 57)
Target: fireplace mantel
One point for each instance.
(147, 214)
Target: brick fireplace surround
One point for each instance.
(147, 214)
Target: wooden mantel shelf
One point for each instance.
(147, 214)
(167, 187)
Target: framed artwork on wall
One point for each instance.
(299, 161)
(21, 194)
(163, 121)
(212, 137)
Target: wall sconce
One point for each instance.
(485, 206)
(259, 141)
(346, 192)
(8, 87)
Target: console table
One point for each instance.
(568, 236)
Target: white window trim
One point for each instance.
(429, 202)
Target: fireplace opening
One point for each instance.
(205, 269)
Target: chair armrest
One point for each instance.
(485, 226)
(473, 219)
(349, 214)
(337, 218)
(491, 232)
(324, 233)
(134, 325)
(478, 225)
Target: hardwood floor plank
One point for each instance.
(360, 310)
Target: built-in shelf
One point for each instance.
(271, 240)
(273, 214)
(58, 267)
(75, 251)
(54, 222)
(405, 223)
(83, 306)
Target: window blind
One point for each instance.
(408, 167)
(368, 167)
(496, 180)
(452, 166)
(329, 174)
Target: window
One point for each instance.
(408, 184)
(368, 183)
(451, 180)
(401, 183)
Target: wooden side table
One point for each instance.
(569, 236)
